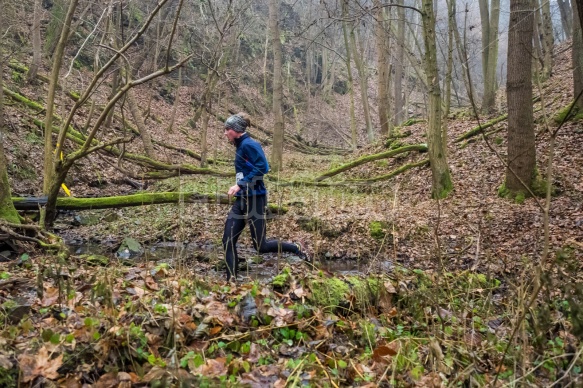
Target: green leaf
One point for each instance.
(55, 338)
(198, 360)
(46, 335)
(246, 347)
(342, 364)
(24, 257)
(4, 275)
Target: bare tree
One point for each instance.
(398, 113)
(382, 39)
(490, 16)
(349, 72)
(521, 170)
(278, 129)
(577, 56)
(58, 168)
(7, 211)
(54, 80)
(363, 80)
(441, 183)
(566, 17)
(36, 41)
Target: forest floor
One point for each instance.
(428, 293)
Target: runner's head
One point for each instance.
(236, 125)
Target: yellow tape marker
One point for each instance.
(64, 186)
(66, 189)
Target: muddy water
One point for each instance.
(254, 266)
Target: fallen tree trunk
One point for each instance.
(370, 158)
(73, 203)
(356, 182)
(478, 129)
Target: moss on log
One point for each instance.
(355, 182)
(23, 100)
(476, 130)
(370, 158)
(352, 293)
(73, 203)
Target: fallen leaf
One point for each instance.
(219, 311)
(282, 316)
(156, 373)
(212, 368)
(108, 380)
(390, 288)
(33, 366)
(50, 296)
(381, 352)
(151, 283)
(136, 291)
(5, 362)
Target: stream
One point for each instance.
(257, 267)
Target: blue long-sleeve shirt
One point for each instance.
(250, 166)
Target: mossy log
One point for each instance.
(370, 158)
(73, 203)
(356, 182)
(351, 293)
(478, 129)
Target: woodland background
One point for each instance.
(427, 153)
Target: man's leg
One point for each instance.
(257, 227)
(233, 228)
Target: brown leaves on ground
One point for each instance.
(40, 364)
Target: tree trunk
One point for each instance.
(521, 143)
(363, 80)
(36, 42)
(449, 70)
(278, 130)
(176, 100)
(139, 121)
(7, 211)
(48, 168)
(566, 18)
(548, 41)
(577, 58)
(204, 131)
(349, 71)
(463, 54)
(543, 37)
(442, 184)
(579, 13)
(490, 15)
(399, 113)
(383, 69)
(114, 35)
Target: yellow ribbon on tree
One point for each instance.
(63, 186)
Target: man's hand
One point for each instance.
(233, 190)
